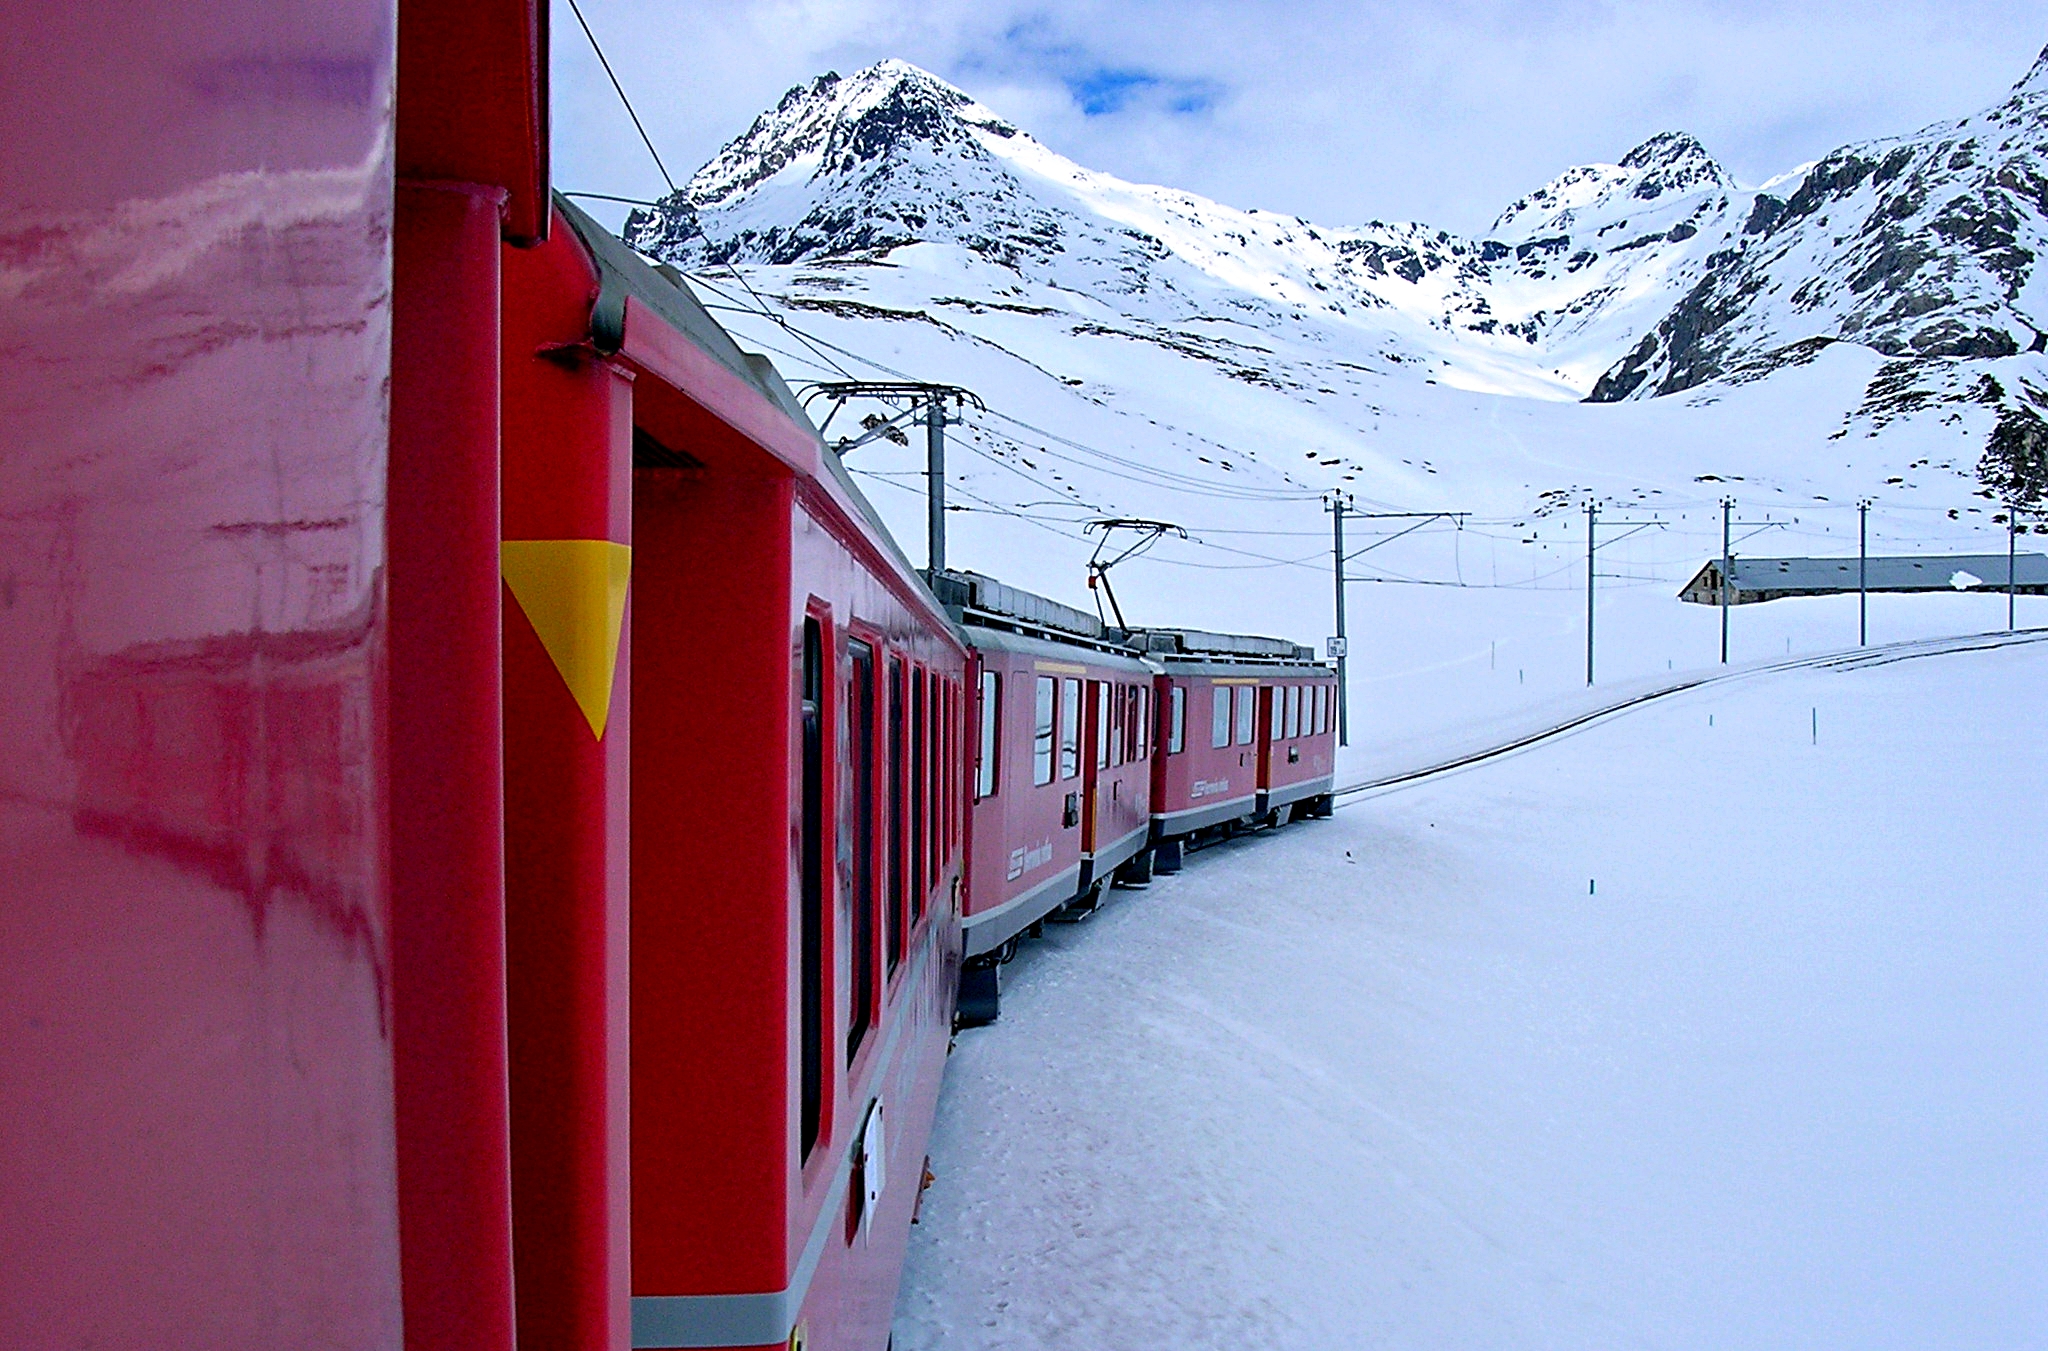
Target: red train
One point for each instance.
(1088, 770)
(494, 829)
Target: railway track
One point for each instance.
(1849, 659)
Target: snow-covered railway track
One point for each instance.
(1850, 659)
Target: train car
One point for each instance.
(1062, 769)
(1247, 735)
(461, 735)
(797, 771)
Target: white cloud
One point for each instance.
(1339, 112)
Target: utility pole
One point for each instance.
(1592, 519)
(2012, 534)
(1592, 513)
(1337, 504)
(909, 398)
(1863, 572)
(935, 486)
(1727, 506)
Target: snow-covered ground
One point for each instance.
(1692, 1029)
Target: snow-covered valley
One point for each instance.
(1715, 1025)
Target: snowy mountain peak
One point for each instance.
(854, 165)
(1673, 161)
(836, 125)
(1668, 165)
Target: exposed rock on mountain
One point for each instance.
(1629, 280)
(1917, 246)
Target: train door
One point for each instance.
(1094, 727)
(1269, 732)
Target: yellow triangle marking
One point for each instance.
(573, 592)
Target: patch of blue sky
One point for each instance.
(1104, 90)
(1098, 88)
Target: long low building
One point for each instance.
(1758, 579)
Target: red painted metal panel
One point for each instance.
(567, 476)
(1203, 775)
(713, 887)
(196, 1120)
(473, 106)
(732, 558)
(1314, 754)
(446, 772)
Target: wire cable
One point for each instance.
(645, 139)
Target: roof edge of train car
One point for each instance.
(992, 613)
(625, 276)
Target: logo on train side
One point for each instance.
(1024, 860)
(1209, 787)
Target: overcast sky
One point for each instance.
(1441, 111)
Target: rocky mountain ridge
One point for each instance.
(1646, 277)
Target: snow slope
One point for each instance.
(1692, 1030)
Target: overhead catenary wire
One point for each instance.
(602, 60)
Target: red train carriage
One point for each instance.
(1062, 769)
(374, 532)
(797, 772)
(1247, 733)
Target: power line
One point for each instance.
(645, 139)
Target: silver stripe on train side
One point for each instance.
(1194, 818)
(990, 929)
(1295, 792)
(667, 1321)
(1103, 862)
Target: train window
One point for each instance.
(1070, 728)
(943, 788)
(892, 905)
(1219, 726)
(920, 795)
(1176, 720)
(1041, 733)
(985, 744)
(1141, 703)
(811, 922)
(1278, 695)
(1293, 711)
(1322, 709)
(1105, 724)
(860, 759)
(942, 805)
(1247, 713)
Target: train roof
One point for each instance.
(623, 273)
(982, 605)
(1177, 646)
